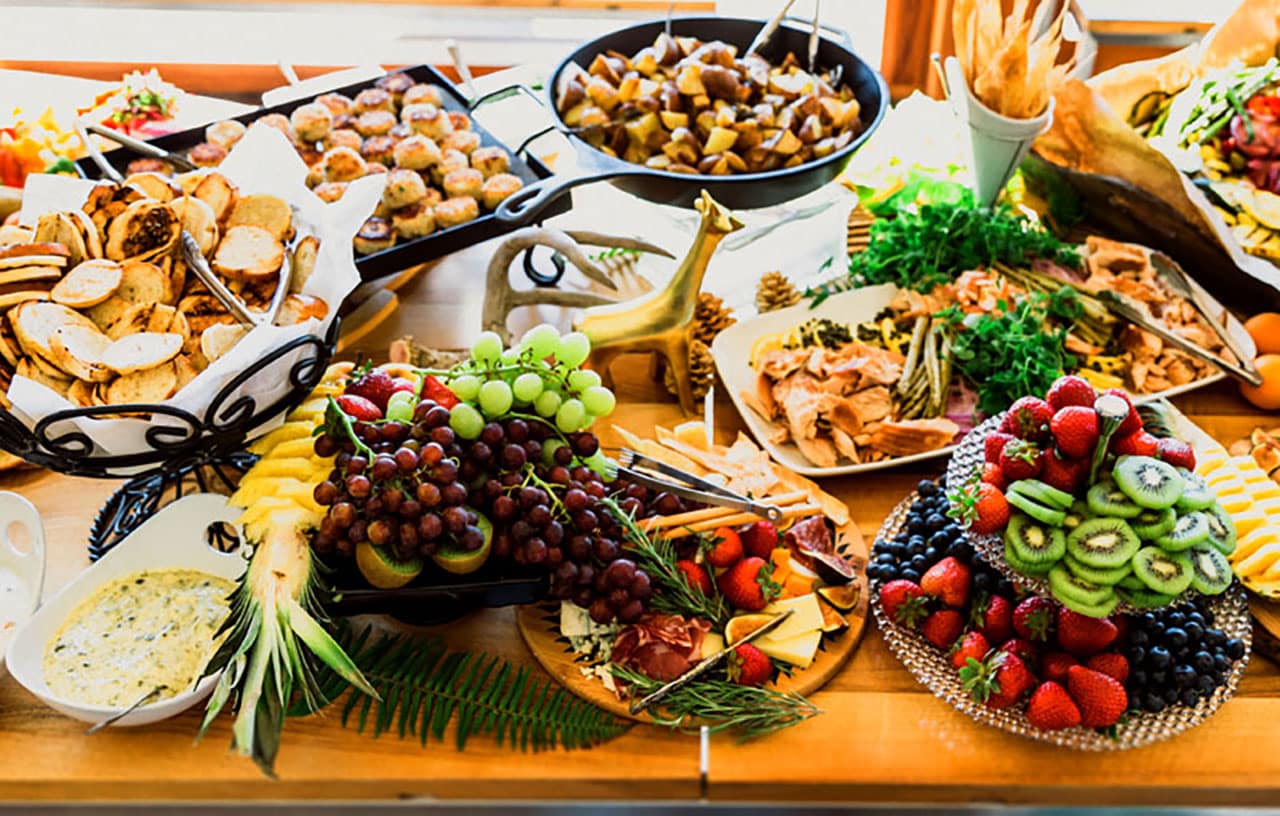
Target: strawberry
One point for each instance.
(1176, 452)
(358, 407)
(1075, 430)
(1132, 423)
(1070, 390)
(748, 584)
(992, 474)
(1102, 699)
(1082, 635)
(980, 506)
(1034, 619)
(1054, 665)
(994, 443)
(759, 539)
(1112, 664)
(1064, 474)
(1051, 708)
(973, 646)
(1023, 648)
(943, 628)
(695, 575)
(999, 682)
(1028, 418)
(992, 615)
(1021, 459)
(1138, 443)
(404, 384)
(948, 581)
(748, 666)
(726, 549)
(903, 602)
(433, 389)
(375, 385)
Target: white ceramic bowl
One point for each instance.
(173, 538)
(21, 571)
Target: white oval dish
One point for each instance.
(173, 538)
(21, 572)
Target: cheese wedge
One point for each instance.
(806, 617)
(798, 651)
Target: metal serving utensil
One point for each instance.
(771, 27)
(196, 261)
(138, 146)
(115, 718)
(1176, 279)
(706, 492)
(455, 54)
(705, 665)
(813, 36)
(95, 154)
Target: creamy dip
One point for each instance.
(15, 604)
(148, 629)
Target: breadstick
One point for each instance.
(707, 513)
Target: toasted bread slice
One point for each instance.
(81, 393)
(149, 317)
(143, 282)
(59, 228)
(269, 212)
(219, 338)
(155, 186)
(298, 308)
(79, 351)
(29, 370)
(9, 348)
(13, 234)
(88, 284)
(106, 313)
(184, 366)
(102, 194)
(34, 322)
(304, 262)
(142, 351)
(16, 256)
(30, 274)
(154, 384)
(199, 220)
(144, 230)
(249, 254)
(220, 194)
(90, 233)
(9, 299)
(187, 182)
(202, 311)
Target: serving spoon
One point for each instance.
(114, 718)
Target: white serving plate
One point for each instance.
(21, 571)
(173, 538)
(731, 351)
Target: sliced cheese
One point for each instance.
(712, 643)
(806, 617)
(693, 433)
(798, 651)
(573, 620)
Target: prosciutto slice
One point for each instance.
(661, 646)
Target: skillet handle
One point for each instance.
(523, 206)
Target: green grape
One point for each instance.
(495, 398)
(582, 379)
(487, 348)
(574, 349)
(570, 416)
(547, 403)
(542, 340)
(510, 357)
(465, 387)
(466, 421)
(527, 387)
(549, 449)
(606, 467)
(400, 406)
(599, 401)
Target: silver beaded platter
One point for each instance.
(933, 669)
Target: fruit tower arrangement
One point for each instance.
(1017, 651)
(1098, 505)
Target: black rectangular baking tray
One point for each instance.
(403, 255)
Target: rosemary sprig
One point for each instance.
(746, 711)
(657, 557)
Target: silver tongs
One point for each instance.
(1126, 308)
(109, 172)
(178, 161)
(197, 263)
(1176, 279)
(701, 490)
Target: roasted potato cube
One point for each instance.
(714, 53)
(592, 116)
(645, 62)
(604, 68)
(666, 50)
(765, 115)
(638, 129)
(806, 105)
(672, 119)
(700, 102)
(824, 147)
(635, 153)
(844, 138)
(573, 116)
(721, 83)
(736, 164)
(719, 140)
(749, 135)
(756, 69)
(794, 161)
(604, 95)
(572, 92)
(660, 161)
(786, 119)
(786, 143)
(726, 116)
(790, 86)
(679, 167)
(704, 122)
(680, 149)
(629, 88)
(670, 96)
(689, 80)
(811, 130)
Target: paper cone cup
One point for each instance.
(997, 144)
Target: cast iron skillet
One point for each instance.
(745, 191)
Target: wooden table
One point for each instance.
(881, 737)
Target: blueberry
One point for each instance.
(1203, 661)
(910, 574)
(932, 555)
(1176, 636)
(1183, 675)
(1158, 657)
(1235, 648)
(1214, 637)
(1005, 589)
(1138, 638)
(1194, 631)
(885, 558)
(965, 551)
(982, 582)
(1206, 684)
(1196, 617)
(1221, 663)
(1147, 620)
(1137, 653)
(1175, 619)
(916, 526)
(902, 538)
(916, 543)
(1171, 696)
(927, 488)
(919, 562)
(940, 540)
(1219, 677)
(956, 549)
(1189, 697)
(1159, 677)
(953, 530)
(936, 521)
(1138, 678)
(1153, 703)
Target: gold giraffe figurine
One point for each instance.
(661, 322)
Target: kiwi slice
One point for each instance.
(1103, 543)
(1098, 610)
(1034, 543)
(1196, 493)
(1210, 572)
(1022, 567)
(1188, 531)
(1144, 598)
(1151, 524)
(1131, 581)
(1045, 515)
(1065, 585)
(1045, 494)
(1163, 572)
(1102, 577)
(1148, 481)
(1078, 513)
(1222, 530)
(1105, 499)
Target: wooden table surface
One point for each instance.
(881, 736)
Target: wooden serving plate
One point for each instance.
(539, 625)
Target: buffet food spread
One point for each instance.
(1076, 563)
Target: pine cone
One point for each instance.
(775, 291)
(710, 318)
(702, 371)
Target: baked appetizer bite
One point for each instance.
(416, 153)
(374, 168)
(344, 120)
(311, 122)
(277, 121)
(148, 166)
(343, 164)
(371, 99)
(454, 211)
(154, 185)
(335, 102)
(375, 123)
(427, 120)
(459, 120)
(498, 187)
(379, 149)
(206, 154)
(423, 93)
(464, 182)
(395, 84)
(450, 160)
(414, 221)
(225, 134)
(344, 137)
(144, 230)
(404, 187)
(400, 131)
(375, 235)
(490, 160)
(462, 140)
